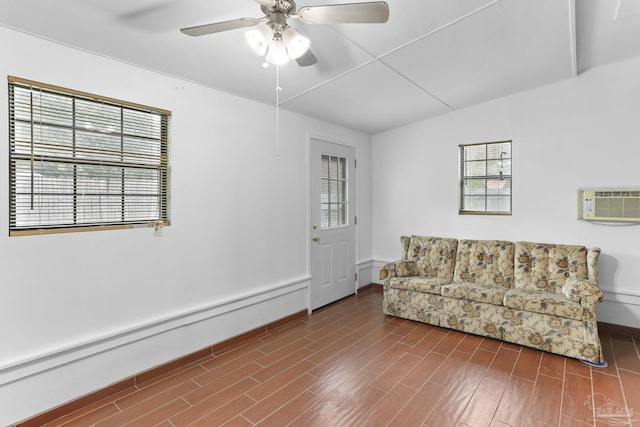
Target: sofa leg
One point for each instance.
(602, 364)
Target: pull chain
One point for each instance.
(278, 89)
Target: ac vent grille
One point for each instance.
(609, 204)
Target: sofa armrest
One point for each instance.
(402, 268)
(582, 291)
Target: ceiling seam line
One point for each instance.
(416, 85)
(373, 58)
(377, 58)
(440, 28)
(358, 45)
(327, 81)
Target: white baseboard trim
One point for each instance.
(364, 269)
(377, 266)
(621, 296)
(362, 264)
(619, 308)
(34, 364)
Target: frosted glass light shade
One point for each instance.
(277, 52)
(296, 44)
(259, 39)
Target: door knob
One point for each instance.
(316, 238)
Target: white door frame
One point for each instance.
(353, 212)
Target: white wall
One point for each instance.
(583, 132)
(80, 311)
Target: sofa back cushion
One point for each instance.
(434, 256)
(546, 267)
(485, 262)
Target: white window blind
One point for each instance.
(333, 186)
(485, 178)
(81, 162)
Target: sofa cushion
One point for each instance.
(434, 256)
(543, 303)
(475, 292)
(430, 285)
(546, 267)
(485, 262)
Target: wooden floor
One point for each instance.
(349, 365)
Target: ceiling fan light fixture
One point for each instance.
(259, 39)
(278, 43)
(277, 53)
(297, 45)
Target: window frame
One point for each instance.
(134, 167)
(486, 177)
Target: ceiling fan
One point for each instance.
(279, 41)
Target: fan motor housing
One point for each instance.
(285, 6)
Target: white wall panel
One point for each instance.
(581, 132)
(239, 216)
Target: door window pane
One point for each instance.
(333, 191)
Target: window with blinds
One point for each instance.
(83, 162)
(485, 178)
(333, 189)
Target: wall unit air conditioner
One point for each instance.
(609, 204)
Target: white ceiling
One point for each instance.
(431, 57)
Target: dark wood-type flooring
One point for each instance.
(349, 365)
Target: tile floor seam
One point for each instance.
(266, 416)
(562, 390)
(402, 409)
(535, 386)
(624, 395)
(129, 422)
(155, 395)
(195, 420)
(593, 406)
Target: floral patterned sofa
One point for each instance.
(535, 294)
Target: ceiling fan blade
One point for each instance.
(218, 27)
(307, 59)
(354, 13)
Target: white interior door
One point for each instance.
(332, 231)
